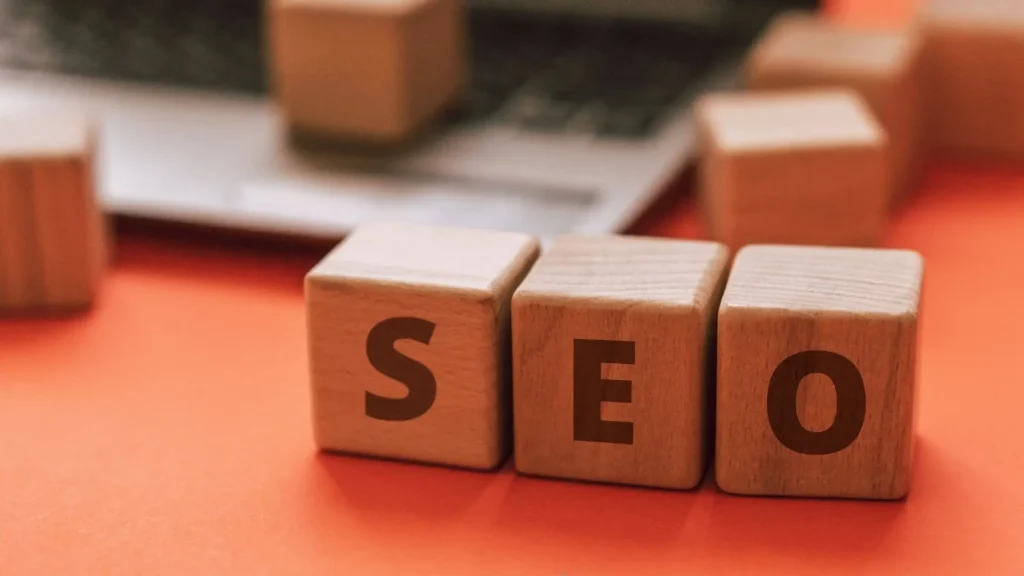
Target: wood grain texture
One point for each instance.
(365, 71)
(654, 297)
(973, 76)
(804, 166)
(53, 245)
(459, 280)
(883, 66)
(781, 301)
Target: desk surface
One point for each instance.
(168, 433)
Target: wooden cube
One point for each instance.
(807, 166)
(882, 66)
(367, 70)
(611, 340)
(408, 343)
(816, 372)
(974, 78)
(52, 234)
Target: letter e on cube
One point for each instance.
(610, 340)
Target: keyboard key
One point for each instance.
(538, 114)
(548, 117)
(626, 122)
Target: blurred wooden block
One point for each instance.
(408, 343)
(53, 247)
(611, 337)
(882, 66)
(974, 50)
(816, 372)
(807, 166)
(366, 70)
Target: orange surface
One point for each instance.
(168, 433)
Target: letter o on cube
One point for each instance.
(816, 372)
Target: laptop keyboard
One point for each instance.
(535, 72)
(194, 43)
(616, 79)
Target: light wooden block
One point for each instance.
(409, 345)
(816, 372)
(367, 70)
(53, 247)
(807, 166)
(883, 66)
(974, 51)
(611, 342)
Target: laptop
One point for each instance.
(576, 116)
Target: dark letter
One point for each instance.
(589, 390)
(380, 349)
(850, 402)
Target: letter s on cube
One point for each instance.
(408, 335)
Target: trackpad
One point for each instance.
(343, 202)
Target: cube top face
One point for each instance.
(384, 7)
(783, 122)
(982, 14)
(623, 270)
(816, 372)
(812, 45)
(478, 264)
(43, 136)
(825, 280)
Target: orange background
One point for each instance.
(168, 433)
